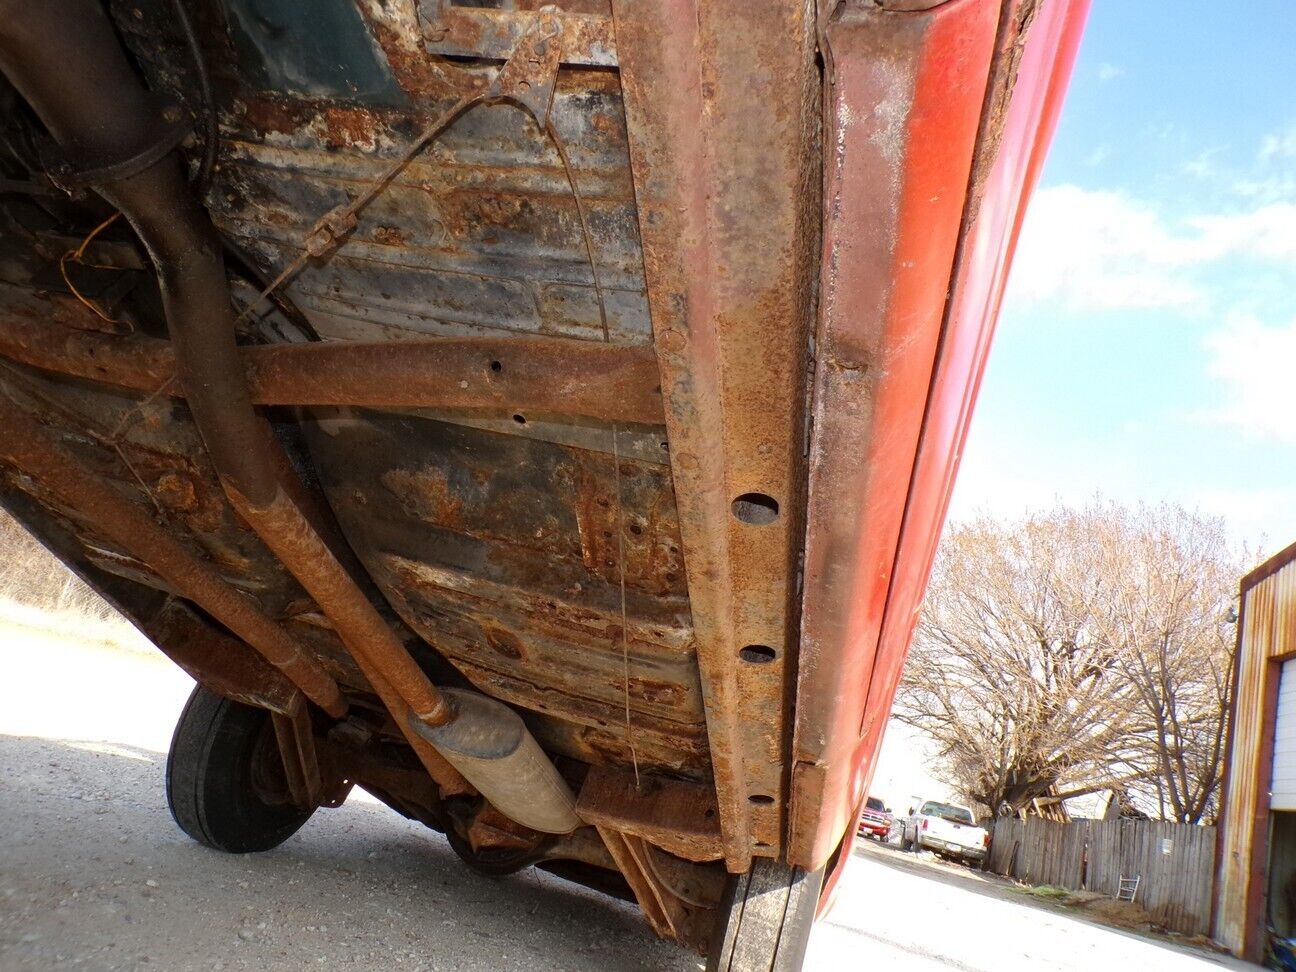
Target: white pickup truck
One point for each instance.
(946, 829)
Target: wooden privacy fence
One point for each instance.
(1174, 862)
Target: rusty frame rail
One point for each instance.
(613, 383)
(469, 31)
(722, 113)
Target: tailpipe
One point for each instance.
(488, 743)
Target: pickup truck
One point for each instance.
(876, 820)
(947, 829)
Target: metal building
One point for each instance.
(1255, 886)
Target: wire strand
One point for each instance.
(558, 145)
(357, 205)
(76, 256)
(211, 127)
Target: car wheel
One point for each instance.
(225, 782)
(765, 919)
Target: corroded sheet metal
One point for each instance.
(468, 30)
(1266, 637)
(679, 817)
(722, 114)
(35, 453)
(903, 105)
(481, 237)
(149, 451)
(478, 235)
(502, 551)
(554, 375)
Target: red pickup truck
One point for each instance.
(876, 819)
(541, 415)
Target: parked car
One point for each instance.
(876, 820)
(542, 419)
(946, 828)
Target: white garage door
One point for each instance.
(1283, 788)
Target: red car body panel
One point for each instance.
(935, 349)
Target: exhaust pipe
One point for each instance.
(119, 139)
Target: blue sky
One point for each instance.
(1147, 347)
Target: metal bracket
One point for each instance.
(296, 739)
(684, 914)
(451, 28)
(76, 171)
(528, 77)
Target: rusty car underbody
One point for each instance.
(608, 358)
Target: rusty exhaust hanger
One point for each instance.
(120, 140)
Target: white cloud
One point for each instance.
(1203, 166)
(1278, 145)
(1102, 250)
(1254, 361)
(1108, 71)
(1099, 250)
(1267, 233)
(1272, 176)
(1099, 155)
(1275, 188)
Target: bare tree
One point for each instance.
(1076, 651)
(1167, 612)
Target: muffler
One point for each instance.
(488, 743)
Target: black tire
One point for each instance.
(491, 863)
(224, 786)
(765, 919)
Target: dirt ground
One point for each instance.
(921, 915)
(94, 874)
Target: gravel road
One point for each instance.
(94, 874)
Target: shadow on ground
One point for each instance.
(94, 871)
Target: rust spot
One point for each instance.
(426, 494)
(606, 125)
(266, 115)
(662, 693)
(503, 641)
(397, 32)
(389, 236)
(672, 341)
(176, 492)
(468, 214)
(346, 126)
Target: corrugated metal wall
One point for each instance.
(1268, 633)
